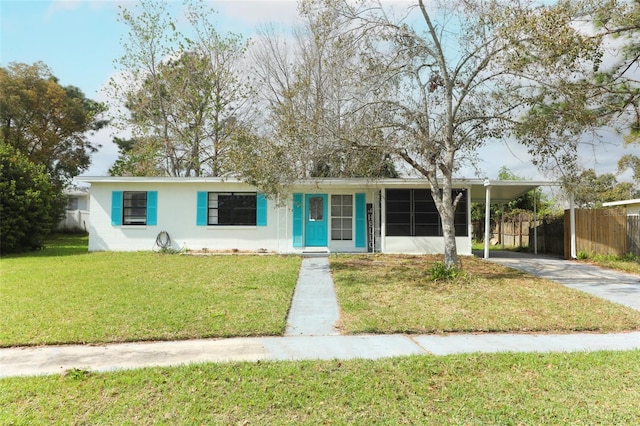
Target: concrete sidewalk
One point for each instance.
(311, 334)
(58, 359)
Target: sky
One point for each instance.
(80, 39)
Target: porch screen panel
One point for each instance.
(426, 220)
(398, 215)
(413, 213)
(460, 217)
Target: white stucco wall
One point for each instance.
(424, 245)
(177, 205)
(176, 215)
(177, 211)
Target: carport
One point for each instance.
(503, 191)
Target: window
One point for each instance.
(72, 203)
(341, 217)
(413, 213)
(231, 208)
(316, 209)
(134, 208)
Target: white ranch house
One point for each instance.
(328, 215)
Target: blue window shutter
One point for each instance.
(261, 210)
(361, 220)
(297, 220)
(116, 208)
(201, 213)
(152, 208)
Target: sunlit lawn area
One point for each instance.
(496, 389)
(394, 294)
(63, 295)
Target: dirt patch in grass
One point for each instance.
(395, 294)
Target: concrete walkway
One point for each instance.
(314, 309)
(311, 334)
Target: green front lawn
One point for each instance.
(394, 294)
(65, 295)
(497, 389)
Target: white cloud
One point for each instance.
(255, 12)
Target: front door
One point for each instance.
(316, 228)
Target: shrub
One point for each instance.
(30, 204)
(440, 271)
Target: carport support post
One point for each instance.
(535, 223)
(487, 218)
(572, 219)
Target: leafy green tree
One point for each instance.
(47, 122)
(593, 189)
(185, 98)
(137, 158)
(619, 84)
(30, 204)
(630, 161)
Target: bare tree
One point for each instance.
(312, 92)
(185, 98)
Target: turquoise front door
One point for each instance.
(316, 221)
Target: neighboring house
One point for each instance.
(632, 206)
(77, 210)
(336, 215)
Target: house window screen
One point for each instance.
(413, 213)
(231, 208)
(342, 217)
(134, 211)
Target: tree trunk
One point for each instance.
(447, 210)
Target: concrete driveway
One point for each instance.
(618, 287)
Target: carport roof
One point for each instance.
(506, 190)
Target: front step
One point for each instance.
(316, 252)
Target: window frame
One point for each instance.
(232, 211)
(342, 218)
(129, 218)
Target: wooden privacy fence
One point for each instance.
(518, 231)
(633, 234)
(602, 231)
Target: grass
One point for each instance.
(525, 389)
(63, 294)
(626, 263)
(394, 294)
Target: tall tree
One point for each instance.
(309, 87)
(593, 190)
(619, 80)
(47, 122)
(448, 80)
(185, 99)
